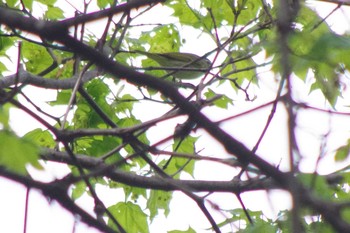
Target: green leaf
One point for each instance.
(340, 189)
(342, 152)
(62, 98)
(5, 44)
(79, 188)
(189, 230)
(248, 10)
(130, 216)
(4, 116)
(47, 2)
(162, 39)
(135, 192)
(101, 145)
(28, 4)
(317, 183)
(325, 54)
(187, 146)
(260, 221)
(98, 89)
(186, 15)
(345, 213)
(148, 63)
(37, 58)
(303, 42)
(124, 104)
(329, 47)
(82, 116)
(158, 200)
(2, 68)
(11, 3)
(41, 137)
(222, 102)
(312, 23)
(54, 13)
(102, 4)
(238, 70)
(260, 226)
(16, 153)
(327, 81)
(320, 227)
(221, 10)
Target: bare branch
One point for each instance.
(25, 77)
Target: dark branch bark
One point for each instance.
(25, 77)
(125, 7)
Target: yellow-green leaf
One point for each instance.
(159, 200)
(342, 152)
(16, 153)
(130, 216)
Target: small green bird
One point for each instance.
(181, 65)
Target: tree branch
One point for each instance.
(155, 182)
(25, 77)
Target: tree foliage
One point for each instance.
(121, 122)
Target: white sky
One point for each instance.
(45, 217)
